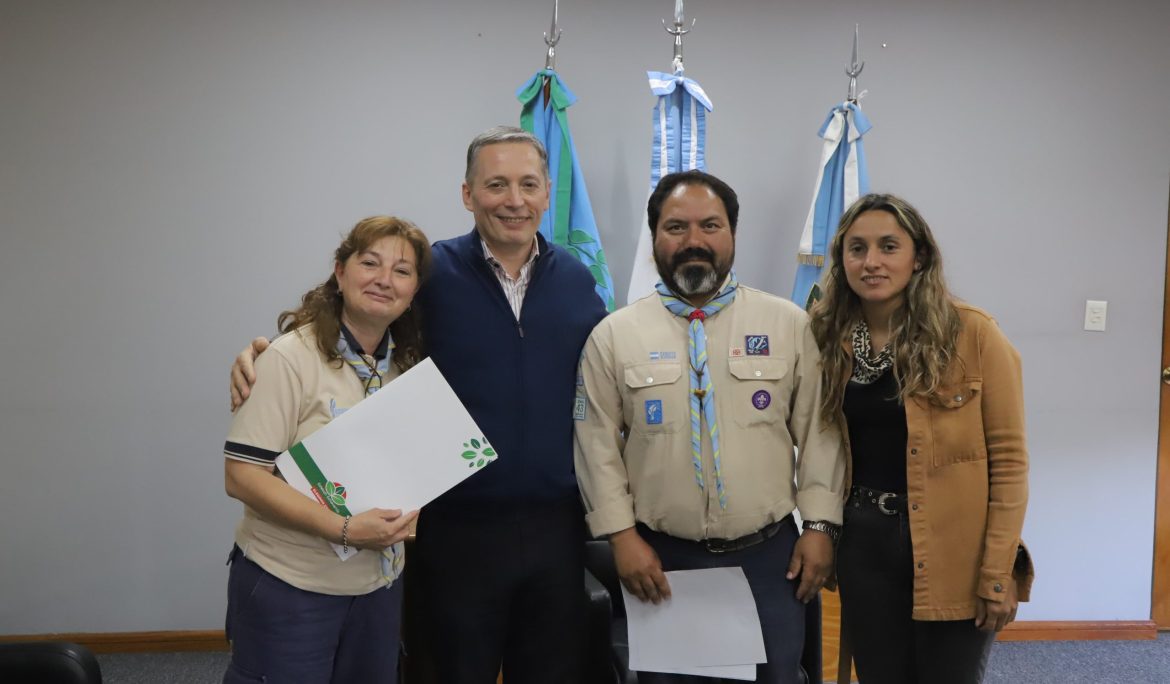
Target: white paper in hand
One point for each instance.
(708, 627)
(401, 448)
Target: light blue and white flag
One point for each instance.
(680, 144)
(569, 220)
(843, 178)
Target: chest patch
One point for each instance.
(663, 355)
(761, 399)
(654, 412)
(579, 409)
(756, 345)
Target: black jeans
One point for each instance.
(875, 570)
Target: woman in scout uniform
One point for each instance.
(297, 612)
(930, 562)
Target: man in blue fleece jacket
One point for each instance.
(499, 558)
(505, 318)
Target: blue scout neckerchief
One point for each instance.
(371, 371)
(702, 391)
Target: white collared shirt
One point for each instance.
(514, 288)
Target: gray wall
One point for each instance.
(173, 174)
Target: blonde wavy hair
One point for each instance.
(924, 329)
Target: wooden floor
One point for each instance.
(830, 633)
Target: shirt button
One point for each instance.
(759, 373)
(913, 452)
(914, 507)
(921, 565)
(958, 397)
(998, 587)
(649, 379)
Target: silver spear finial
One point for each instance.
(854, 69)
(551, 38)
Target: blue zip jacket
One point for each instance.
(516, 378)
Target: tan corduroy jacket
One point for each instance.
(967, 477)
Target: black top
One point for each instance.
(877, 434)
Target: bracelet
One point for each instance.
(345, 535)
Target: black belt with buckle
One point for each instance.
(748, 540)
(887, 503)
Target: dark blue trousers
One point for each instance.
(283, 634)
(781, 614)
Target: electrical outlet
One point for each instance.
(1095, 315)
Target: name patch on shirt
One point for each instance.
(579, 409)
(756, 345)
(654, 412)
(663, 355)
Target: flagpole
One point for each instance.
(679, 142)
(551, 38)
(854, 69)
(843, 176)
(678, 32)
(569, 222)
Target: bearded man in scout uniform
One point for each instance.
(690, 405)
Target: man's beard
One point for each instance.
(689, 278)
(695, 279)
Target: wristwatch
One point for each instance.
(834, 531)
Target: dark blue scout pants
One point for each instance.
(283, 634)
(781, 615)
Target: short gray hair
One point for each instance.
(503, 134)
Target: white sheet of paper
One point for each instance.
(401, 448)
(743, 672)
(709, 622)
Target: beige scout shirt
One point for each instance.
(632, 467)
(296, 394)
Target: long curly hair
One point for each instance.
(322, 305)
(924, 330)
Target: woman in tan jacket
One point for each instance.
(929, 391)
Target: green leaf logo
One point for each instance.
(478, 453)
(335, 492)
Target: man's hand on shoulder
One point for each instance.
(244, 372)
(812, 561)
(638, 566)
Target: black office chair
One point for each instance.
(609, 645)
(48, 662)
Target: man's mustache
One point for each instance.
(691, 254)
